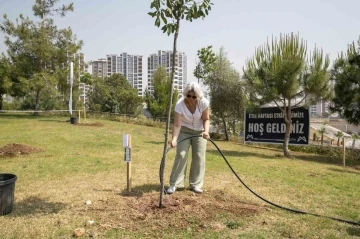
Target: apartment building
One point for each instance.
(79, 62)
(130, 66)
(321, 108)
(99, 68)
(82, 67)
(164, 59)
(83, 91)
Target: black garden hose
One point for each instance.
(252, 191)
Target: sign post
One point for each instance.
(84, 113)
(71, 86)
(343, 151)
(127, 158)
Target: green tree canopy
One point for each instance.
(86, 78)
(346, 75)
(114, 94)
(157, 103)
(227, 94)
(5, 82)
(205, 64)
(282, 72)
(38, 50)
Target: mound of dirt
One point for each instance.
(12, 150)
(90, 124)
(181, 211)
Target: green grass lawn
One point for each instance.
(80, 163)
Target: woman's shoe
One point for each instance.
(171, 190)
(196, 190)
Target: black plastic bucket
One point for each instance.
(74, 120)
(7, 189)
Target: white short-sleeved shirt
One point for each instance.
(192, 121)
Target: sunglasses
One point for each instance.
(191, 96)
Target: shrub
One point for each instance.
(314, 136)
(335, 152)
(216, 135)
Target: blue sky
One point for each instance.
(115, 26)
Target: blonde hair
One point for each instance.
(193, 87)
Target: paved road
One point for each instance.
(332, 131)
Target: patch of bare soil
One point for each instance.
(182, 210)
(12, 150)
(90, 124)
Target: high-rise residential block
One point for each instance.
(164, 59)
(130, 66)
(99, 68)
(81, 66)
(79, 61)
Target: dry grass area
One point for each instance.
(97, 124)
(62, 207)
(63, 167)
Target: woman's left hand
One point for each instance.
(205, 135)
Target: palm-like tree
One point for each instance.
(339, 135)
(354, 137)
(322, 131)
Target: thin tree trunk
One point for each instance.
(286, 141)
(338, 142)
(1, 101)
(322, 139)
(225, 128)
(234, 127)
(37, 102)
(163, 160)
(37, 99)
(287, 133)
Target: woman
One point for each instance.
(191, 118)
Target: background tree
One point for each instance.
(5, 82)
(158, 101)
(339, 135)
(346, 74)
(66, 46)
(86, 79)
(169, 13)
(322, 131)
(34, 49)
(129, 101)
(96, 95)
(205, 64)
(282, 72)
(315, 136)
(355, 136)
(227, 95)
(49, 100)
(115, 95)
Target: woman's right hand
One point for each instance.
(173, 143)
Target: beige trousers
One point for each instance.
(197, 168)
